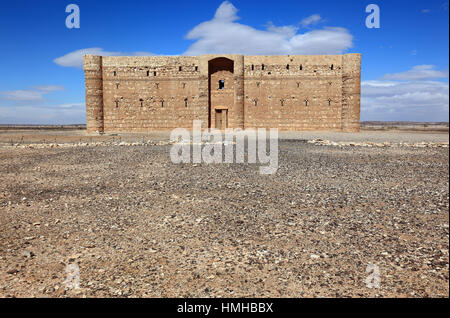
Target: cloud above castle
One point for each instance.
(223, 35)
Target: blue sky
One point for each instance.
(404, 66)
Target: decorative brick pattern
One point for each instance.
(317, 92)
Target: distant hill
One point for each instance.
(43, 127)
(404, 125)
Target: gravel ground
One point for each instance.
(52, 136)
(370, 136)
(137, 225)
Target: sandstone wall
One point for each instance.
(126, 94)
(293, 92)
(144, 93)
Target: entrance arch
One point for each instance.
(221, 91)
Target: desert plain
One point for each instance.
(134, 224)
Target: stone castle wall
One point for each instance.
(127, 94)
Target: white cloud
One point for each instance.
(22, 95)
(426, 10)
(72, 105)
(75, 59)
(419, 72)
(226, 12)
(29, 106)
(33, 94)
(287, 30)
(311, 20)
(411, 100)
(224, 35)
(43, 114)
(48, 88)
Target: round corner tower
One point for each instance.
(94, 93)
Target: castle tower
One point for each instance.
(94, 93)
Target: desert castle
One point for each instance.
(134, 94)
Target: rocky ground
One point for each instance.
(137, 225)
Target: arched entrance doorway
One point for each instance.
(221, 92)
